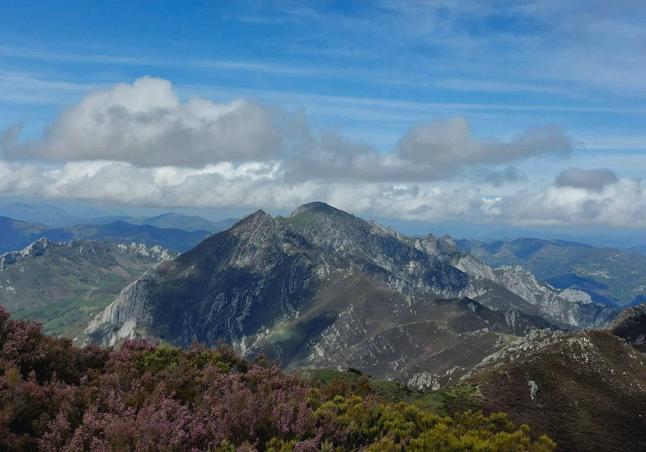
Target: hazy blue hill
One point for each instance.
(15, 234)
(173, 239)
(36, 212)
(171, 220)
(188, 222)
(638, 249)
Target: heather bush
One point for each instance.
(149, 397)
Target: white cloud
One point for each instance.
(436, 150)
(146, 123)
(254, 185)
(619, 204)
(140, 144)
(447, 144)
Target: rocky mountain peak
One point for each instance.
(36, 248)
(434, 245)
(255, 226)
(256, 217)
(324, 225)
(316, 207)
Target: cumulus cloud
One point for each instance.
(448, 144)
(146, 123)
(622, 203)
(432, 151)
(588, 179)
(140, 144)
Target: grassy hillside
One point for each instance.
(586, 390)
(63, 285)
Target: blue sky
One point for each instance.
(460, 80)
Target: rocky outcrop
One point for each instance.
(36, 248)
(129, 313)
(82, 247)
(572, 309)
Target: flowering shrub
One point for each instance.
(54, 396)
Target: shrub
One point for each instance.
(146, 396)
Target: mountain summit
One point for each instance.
(322, 287)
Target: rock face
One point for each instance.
(64, 284)
(567, 308)
(325, 288)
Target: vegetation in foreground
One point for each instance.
(54, 396)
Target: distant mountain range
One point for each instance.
(15, 234)
(608, 275)
(64, 284)
(324, 288)
(193, 223)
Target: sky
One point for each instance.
(525, 113)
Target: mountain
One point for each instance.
(15, 234)
(608, 275)
(185, 222)
(120, 231)
(192, 223)
(64, 284)
(36, 212)
(567, 308)
(325, 288)
(586, 390)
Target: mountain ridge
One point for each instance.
(16, 234)
(63, 284)
(610, 276)
(288, 286)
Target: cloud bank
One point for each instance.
(252, 185)
(141, 144)
(146, 124)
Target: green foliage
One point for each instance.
(54, 396)
(405, 426)
(164, 357)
